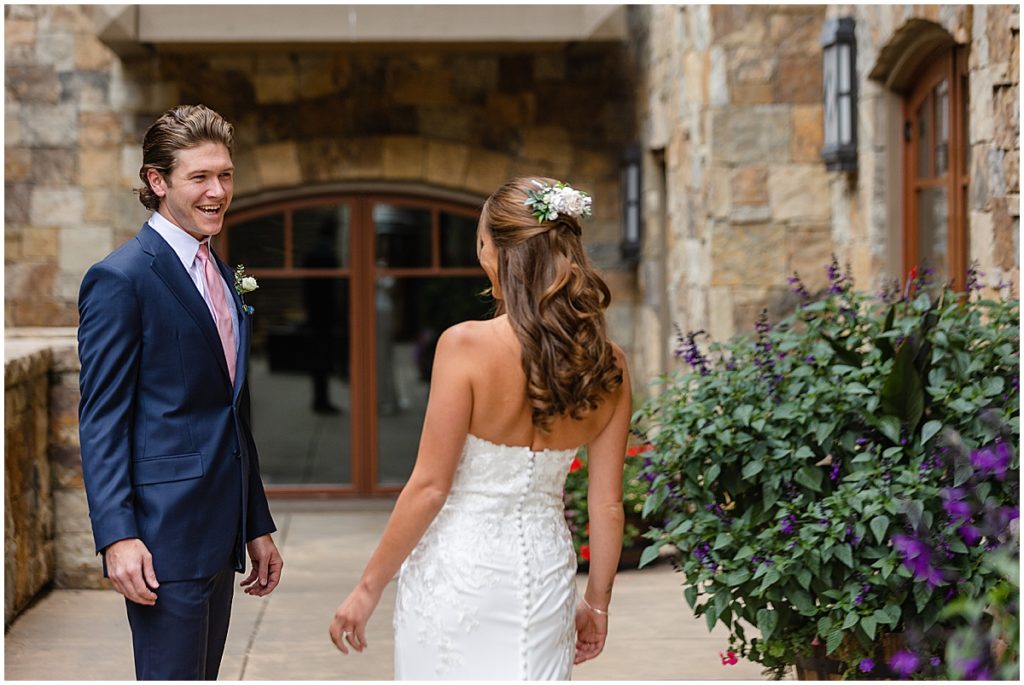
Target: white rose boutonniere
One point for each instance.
(244, 284)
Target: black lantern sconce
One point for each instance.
(632, 221)
(839, 71)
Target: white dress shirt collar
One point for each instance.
(183, 244)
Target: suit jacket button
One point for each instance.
(238, 454)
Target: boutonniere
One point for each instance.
(244, 284)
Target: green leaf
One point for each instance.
(767, 621)
(723, 540)
(929, 430)
(832, 642)
(810, 477)
(804, 452)
(649, 554)
(745, 552)
(992, 386)
(803, 602)
(851, 620)
(710, 616)
(712, 474)
(803, 576)
(753, 468)
(890, 428)
(868, 623)
(844, 554)
(691, 595)
(737, 577)
(743, 414)
(922, 593)
(879, 526)
(903, 393)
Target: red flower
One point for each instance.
(913, 273)
(576, 465)
(585, 552)
(729, 658)
(639, 449)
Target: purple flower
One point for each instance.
(797, 286)
(904, 663)
(992, 460)
(787, 525)
(958, 510)
(917, 557)
(866, 665)
(809, 359)
(935, 661)
(861, 441)
(973, 275)
(835, 471)
(690, 352)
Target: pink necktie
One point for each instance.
(221, 312)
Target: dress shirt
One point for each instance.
(186, 247)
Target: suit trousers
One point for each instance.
(182, 636)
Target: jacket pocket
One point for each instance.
(168, 469)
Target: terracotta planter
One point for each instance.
(820, 666)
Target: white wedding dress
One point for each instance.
(489, 592)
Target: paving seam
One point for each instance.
(263, 607)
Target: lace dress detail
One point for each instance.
(489, 592)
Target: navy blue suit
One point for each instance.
(167, 448)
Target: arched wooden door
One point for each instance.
(354, 290)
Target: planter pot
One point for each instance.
(820, 666)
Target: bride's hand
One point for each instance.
(591, 631)
(350, 618)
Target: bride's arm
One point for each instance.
(605, 456)
(444, 432)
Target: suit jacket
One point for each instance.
(167, 448)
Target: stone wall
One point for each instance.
(730, 99)
(866, 221)
(47, 535)
(442, 119)
(736, 194)
(29, 548)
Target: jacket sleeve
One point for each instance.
(109, 347)
(258, 519)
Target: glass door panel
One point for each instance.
(258, 243)
(933, 231)
(299, 378)
(403, 236)
(320, 237)
(411, 315)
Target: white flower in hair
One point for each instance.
(550, 202)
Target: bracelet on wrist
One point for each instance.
(599, 612)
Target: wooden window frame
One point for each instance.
(949, 64)
(362, 273)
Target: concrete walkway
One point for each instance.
(83, 634)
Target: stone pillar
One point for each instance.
(29, 552)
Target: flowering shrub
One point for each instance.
(842, 475)
(576, 515)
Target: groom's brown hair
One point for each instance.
(179, 128)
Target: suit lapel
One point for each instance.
(169, 269)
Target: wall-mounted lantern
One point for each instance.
(632, 220)
(839, 71)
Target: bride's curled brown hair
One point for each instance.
(555, 302)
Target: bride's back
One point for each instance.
(502, 412)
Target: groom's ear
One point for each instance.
(157, 183)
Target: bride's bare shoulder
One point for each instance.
(473, 336)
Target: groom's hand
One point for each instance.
(130, 569)
(266, 567)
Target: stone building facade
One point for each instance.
(725, 103)
(736, 194)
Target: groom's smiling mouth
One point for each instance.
(210, 210)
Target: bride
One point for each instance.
(486, 589)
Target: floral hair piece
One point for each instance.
(551, 201)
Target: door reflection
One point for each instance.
(411, 315)
(301, 399)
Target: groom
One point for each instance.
(170, 467)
